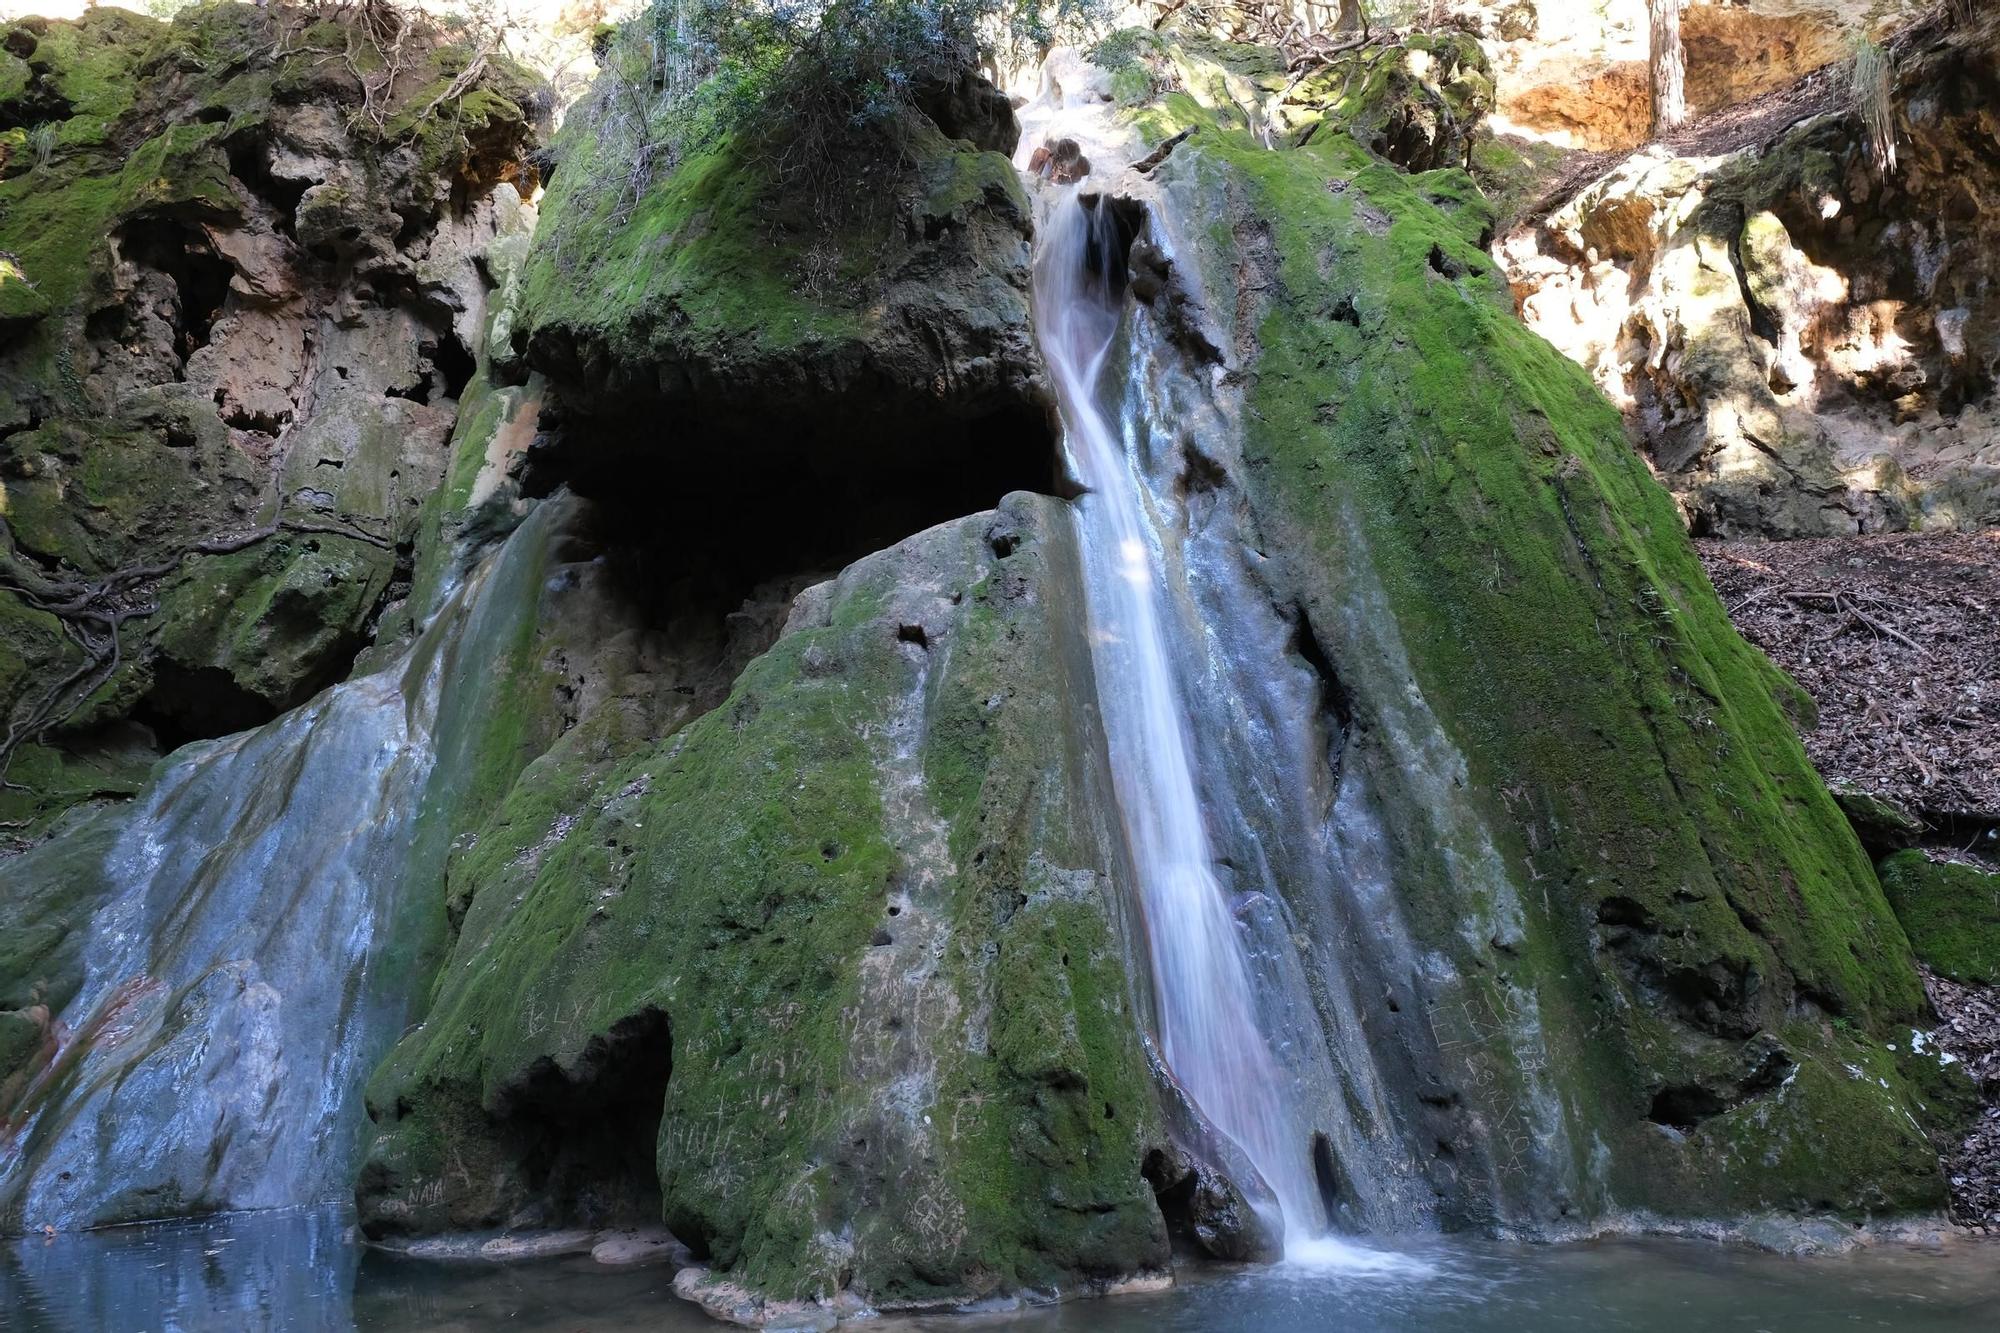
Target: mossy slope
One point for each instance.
(1485, 563)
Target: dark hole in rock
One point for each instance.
(1685, 1105)
(1326, 1175)
(453, 363)
(582, 1140)
(412, 228)
(723, 519)
(1115, 223)
(200, 276)
(247, 164)
(1336, 706)
(195, 703)
(913, 634)
(881, 938)
(1445, 264)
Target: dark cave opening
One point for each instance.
(1326, 1176)
(186, 704)
(717, 513)
(585, 1138)
(200, 276)
(248, 164)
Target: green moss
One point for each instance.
(1415, 101)
(44, 782)
(1138, 61)
(710, 255)
(1952, 914)
(90, 63)
(1513, 173)
(54, 219)
(1837, 1137)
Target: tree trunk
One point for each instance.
(1668, 65)
(1350, 19)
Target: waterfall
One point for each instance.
(1206, 1007)
(262, 915)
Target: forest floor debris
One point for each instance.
(1969, 1029)
(1897, 639)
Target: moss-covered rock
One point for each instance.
(744, 287)
(1951, 912)
(1416, 102)
(840, 950)
(1601, 811)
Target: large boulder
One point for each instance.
(838, 307)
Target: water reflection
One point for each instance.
(303, 1271)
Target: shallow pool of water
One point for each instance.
(304, 1271)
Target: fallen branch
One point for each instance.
(1839, 604)
(1153, 159)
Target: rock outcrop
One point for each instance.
(1576, 74)
(1804, 338)
(828, 978)
(1416, 103)
(240, 297)
(846, 323)
(225, 447)
(1665, 943)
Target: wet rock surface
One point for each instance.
(1387, 414)
(863, 907)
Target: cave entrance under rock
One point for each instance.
(584, 1138)
(709, 517)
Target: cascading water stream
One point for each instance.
(1206, 1007)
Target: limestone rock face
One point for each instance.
(828, 978)
(1576, 73)
(1803, 340)
(237, 311)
